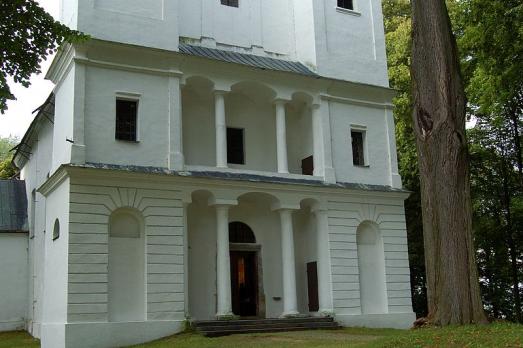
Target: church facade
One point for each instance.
(214, 159)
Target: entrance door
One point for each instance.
(244, 283)
(312, 286)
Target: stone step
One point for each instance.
(264, 330)
(268, 326)
(215, 328)
(260, 321)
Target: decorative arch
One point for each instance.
(240, 232)
(126, 267)
(371, 265)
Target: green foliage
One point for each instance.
(6, 168)
(28, 34)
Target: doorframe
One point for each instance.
(256, 248)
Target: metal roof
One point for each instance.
(261, 178)
(251, 60)
(13, 206)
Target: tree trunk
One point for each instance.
(439, 118)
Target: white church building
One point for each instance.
(214, 159)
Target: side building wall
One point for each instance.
(13, 280)
(91, 207)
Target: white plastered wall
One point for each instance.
(102, 88)
(14, 277)
(260, 23)
(345, 216)
(351, 46)
(116, 20)
(56, 271)
(64, 114)
(305, 241)
(344, 117)
(299, 136)
(35, 173)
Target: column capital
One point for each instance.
(221, 92)
(315, 106)
(280, 207)
(222, 202)
(280, 101)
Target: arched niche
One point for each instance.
(241, 233)
(371, 264)
(126, 283)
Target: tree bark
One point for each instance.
(439, 118)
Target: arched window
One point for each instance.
(240, 233)
(126, 268)
(371, 264)
(56, 229)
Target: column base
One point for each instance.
(330, 175)
(326, 313)
(78, 154)
(176, 161)
(228, 316)
(291, 314)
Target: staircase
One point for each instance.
(216, 328)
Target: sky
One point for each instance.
(19, 113)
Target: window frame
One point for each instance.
(244, 157)
(130, 97)
(230, 3)
(354, 11)
(363, 131)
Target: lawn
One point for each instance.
(494, 335)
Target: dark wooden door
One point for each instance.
(312, 286)
(307, 166)
(244, 283)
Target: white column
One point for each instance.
(281, 137)
(221, 130)
(176, 159)
(324, 113)
(317, 140)
(290, 303)
(323, 254)
(223, 263)
(78, 147)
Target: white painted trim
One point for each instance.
(126, 67)
(356, 101)
(347, 11)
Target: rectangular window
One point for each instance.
(346, 4)
(235, 146)
(126, 119)
(231, 3)
(358, 147)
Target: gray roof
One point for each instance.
(251, 60)
(13, 206)
(239, 177)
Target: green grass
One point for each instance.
(17, 339)
(494, 335)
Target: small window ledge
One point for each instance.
(128, 141)
(347, 11)
(361, 166)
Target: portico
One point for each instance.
(281, 127)
(276, 223)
